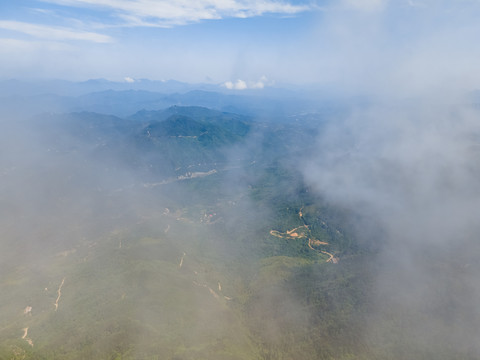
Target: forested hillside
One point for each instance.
(189, 233)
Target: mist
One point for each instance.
(410, 174)
(406, 166)
(113, 242)
(97, 209)
(330, 221)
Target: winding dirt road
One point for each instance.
(59, 292)
(327, 253)
(293, 234)
(181, 261)
(212, 292)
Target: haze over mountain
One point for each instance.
(307, 188)
(122, 99)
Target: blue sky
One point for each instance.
(243, 43)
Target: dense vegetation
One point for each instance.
(212, 247)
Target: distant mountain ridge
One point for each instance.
(162, 143)
(127, 98)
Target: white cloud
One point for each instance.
(237, 85)
(129, 79)
(228, 85)
(242, 85)
(262, 82)
(169, 13)
(53, 33)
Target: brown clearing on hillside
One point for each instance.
(24, 337)
(293, 234)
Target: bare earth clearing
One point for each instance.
(24, 337)
(301, 232)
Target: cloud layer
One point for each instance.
(167, 13)
(405, 162)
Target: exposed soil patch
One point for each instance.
(24, 337)
(25, 332)
(302, 232)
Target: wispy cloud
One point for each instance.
(168, 13)
(53, 33)
(364, 5)
(11, 46)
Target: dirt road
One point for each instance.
(59, 292)
(296, 234)
(181, 261)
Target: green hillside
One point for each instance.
(188, 233)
